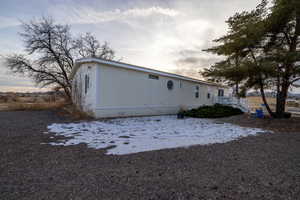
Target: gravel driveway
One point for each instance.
(256, 167)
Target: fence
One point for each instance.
(241, 103)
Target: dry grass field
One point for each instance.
(30, 101)
(30, 106)
(256, 103)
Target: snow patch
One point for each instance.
(133, 135)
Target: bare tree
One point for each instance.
(88, 46)
(50, 53)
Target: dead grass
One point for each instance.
(256, 103)
(33, 106)
(63, 108)
(73, 112)
(295, 104)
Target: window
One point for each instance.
(197, 92)
(180, 84)
(220, 92)
(151, 76)
(208, 95)
(170, 85)
(86, 83)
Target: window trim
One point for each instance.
(197, 94)
(208, 95)
(220, 92)
(154, 77)
(170, 84)
(86, 83)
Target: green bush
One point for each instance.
(215, 111)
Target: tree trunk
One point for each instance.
(281, 101)
(237, 90)
(67, 93)
(262, 92)
(280, 105)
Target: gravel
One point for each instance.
(256, 167)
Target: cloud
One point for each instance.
(166, 39)
(197, 61)
(191, 62)
(8, 22)
(88, 15)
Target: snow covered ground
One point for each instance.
(132, 135)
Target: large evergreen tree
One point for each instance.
(261, 50)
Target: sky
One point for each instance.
(167, 35)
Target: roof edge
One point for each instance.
(81, 61)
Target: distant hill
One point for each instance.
(294, 95)
(31, 94)
(273, 94)
(257, 94)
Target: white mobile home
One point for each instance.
(113, 89)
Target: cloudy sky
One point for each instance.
(168, 35)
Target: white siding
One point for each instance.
(125, 92)
(85, 101)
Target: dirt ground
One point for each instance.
(276, 125)
(257, 167)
